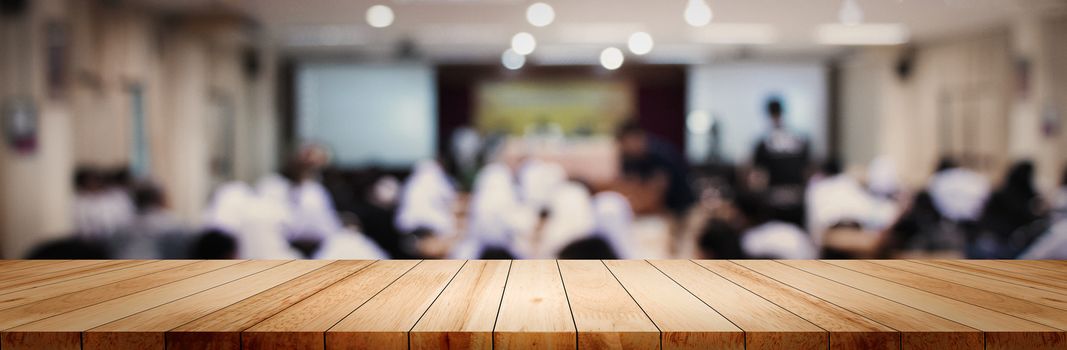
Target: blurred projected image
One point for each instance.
(579, 107)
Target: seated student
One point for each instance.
(538, 181)
(427, 203)
(496, 217)
(258, 223)
(100, 208)
(771, 238)
(1014, 215)
(154, 233)
(836, 197)
(570, 218)
(614, 222)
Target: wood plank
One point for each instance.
(46, 267)
(919, 329)
(39, 310)
(1030, 268)
(847, 329)
(1010, 305)
(1002, 331)
(1052, 265)
(71, 324)
(992, 273)
(605, 315)
(684, 320)
(39, 293)
(145, 330)
(1039, 296)
(303, 326)
(766, 326)
(29, 278)
(15, 265)
(384, 321)
(221, 330)
(534, 312)
(464, 314)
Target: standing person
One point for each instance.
(652, 163)
(783, 156)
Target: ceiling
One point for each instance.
(477, 30)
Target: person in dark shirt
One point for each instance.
(651, 160)
(783, 156)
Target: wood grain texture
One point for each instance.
(35, 294)
(14, 265)
(1058, 277)
(684, 320)
(766, 326)
(847, 330)
(145, 330)
(1039, 296)
(464, 314)
(1017, 307)
(384, 321)
(80, 320)
(534, 312)
(25, 279)
(1002, 331)
(303, 326)
(919, 329)
(221, 330)
(998, 274)
(34, 311)
(605, 315)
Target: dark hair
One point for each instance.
(214, 244)
(628, 127)
(70, 248)
(774, 106)
(147, 197)
(496, 253)
(945, 163)
(832, 166)
(1020, 178)
(84, 177)
(588, 248)
(720, 240)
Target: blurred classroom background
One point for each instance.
(526, 129)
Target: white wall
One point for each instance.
(735, 95)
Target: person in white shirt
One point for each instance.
(427, 201)
(497, 218)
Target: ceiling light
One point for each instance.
(850, 13)
(540, 14)
(611, 58)
(512, 60)
(380, 16)
(640, 43)
(697, 13)
(523, 43)
(736, 33)
(862, 34)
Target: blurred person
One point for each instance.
(214, 244)
(497, 218)
(836, 198)
(1059, 200)
(376, 211)
(883, 180)
(1007, 217)
(570, 218)
(783, 155)
(653, 164)
(958, 193)
(768, 237)
(592, 247)
(71, 248)
(614, 223)
(350, 244)
(313, 215)
(538, 181)
(465, 146)
(100, 208)
(257, 221)
(154, 232)
(427, 206)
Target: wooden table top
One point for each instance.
(484, 304)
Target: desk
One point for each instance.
(485, 304)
